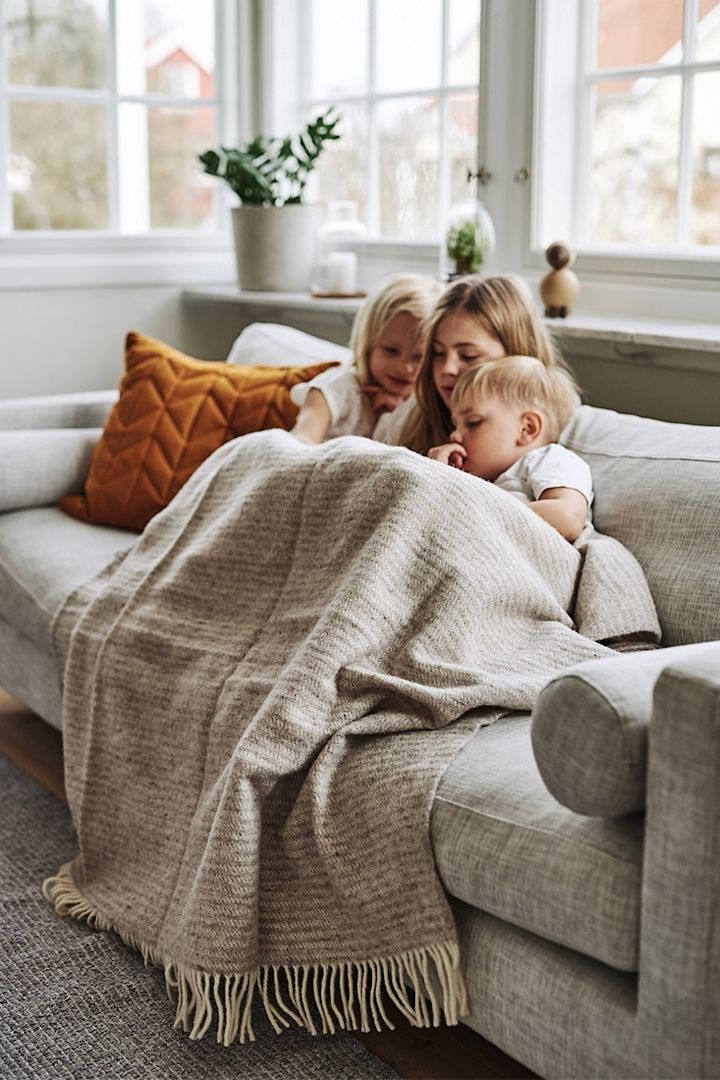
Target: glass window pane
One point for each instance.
(464, 42)
(181, 195)
(463, 143)
(408, 152)
(58, 173)
(337, 70)
(707, 45)
(631, 33)
(56, 42)
(408, 36)
(166, 48)
(342, 171)
(705, 217)
(634, 162)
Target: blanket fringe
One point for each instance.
(425, 984)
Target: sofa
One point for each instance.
(580, 845)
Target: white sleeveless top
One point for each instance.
(350, 409)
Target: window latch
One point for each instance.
(481, 175)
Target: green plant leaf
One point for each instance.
(272, 170)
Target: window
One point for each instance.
(404, 75)
(628, 144)
(105, 106)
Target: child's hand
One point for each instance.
(451, 453)
(382, 401)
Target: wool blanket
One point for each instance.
(260, 698)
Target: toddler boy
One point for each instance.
(508, 415)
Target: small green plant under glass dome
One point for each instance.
(469, 239)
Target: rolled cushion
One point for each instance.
(38, 466)
(590, 729)
(84, 409)
(172, 413)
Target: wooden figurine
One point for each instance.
(559, 288)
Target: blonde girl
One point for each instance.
(475, 320)
(386, 350)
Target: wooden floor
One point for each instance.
(446, 1053)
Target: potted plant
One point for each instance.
(273, 228)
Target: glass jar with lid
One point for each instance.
(336, 262)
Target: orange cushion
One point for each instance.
(173, 411)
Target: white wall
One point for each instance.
(59, 340)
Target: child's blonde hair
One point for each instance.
(503, 306)
(525, 382)
(401, 294)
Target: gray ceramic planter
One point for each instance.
(275, 246)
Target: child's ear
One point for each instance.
(531, 425)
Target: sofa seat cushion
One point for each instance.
(503, 844)
(44, 555)
(31, 674)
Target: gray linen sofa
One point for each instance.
(580, 847)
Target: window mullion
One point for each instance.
(112, 122)
(373, 128)
(131, 133)
(234, 110)
(444, 121)
(584, 121)
(6, 214)
(483, 90)
(305, 66)
(685, 165)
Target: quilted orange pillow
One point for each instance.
(173, 411)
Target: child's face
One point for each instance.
(395, 357)
(492, 434)
(460, 342)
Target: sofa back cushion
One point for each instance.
(657, 490)
(275, 345)
(173, 412)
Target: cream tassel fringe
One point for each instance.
(424, 984)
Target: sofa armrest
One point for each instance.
(590, 728)
(679, 986)
(82, 410)
(37, 467)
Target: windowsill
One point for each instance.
(648, 333)
(640, 340)
(286, 300)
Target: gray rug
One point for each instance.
(78, 1004)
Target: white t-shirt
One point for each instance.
(350, 409)
(389, 427)
(547, 467)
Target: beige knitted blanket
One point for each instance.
(260, 698)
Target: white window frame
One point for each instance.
(73, 258)
(287, 102)
(563, 102)
(515, 151)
